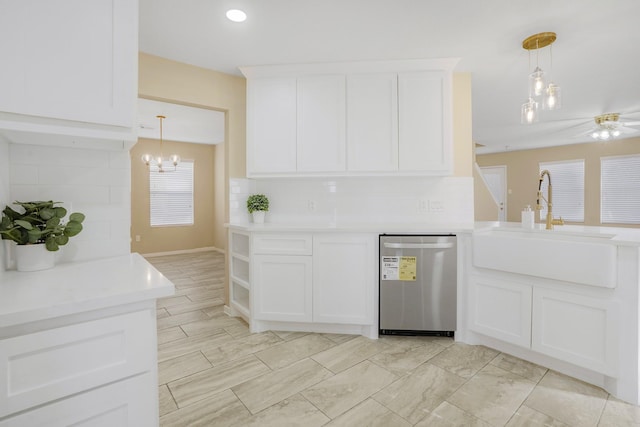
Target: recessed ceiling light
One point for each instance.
(236, 15)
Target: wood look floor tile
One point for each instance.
(448, 415)
(345, 390)
(349, 353)
(207, 383)
(293, 411)
(170, 334)
(273, 387)
(180, 319)
(463, 359)
(166, 402)
(568, 400)
(371, 414)
(222, 409)
(525, 369)
(286, 353)
(618, 413)
(182, 366)
(241, 347)
(193, 306)
(493, 395)
(415, 396)
(525, 417)
(403, 356)
(208, 325)
(186, 345)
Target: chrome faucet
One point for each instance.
(550, 220)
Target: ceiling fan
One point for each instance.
(609, 126)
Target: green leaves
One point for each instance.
(40, 223)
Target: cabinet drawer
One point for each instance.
(43, 366)
(283, 244)
(130, 402)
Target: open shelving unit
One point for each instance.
(239, 268)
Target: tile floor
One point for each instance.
(213, 372)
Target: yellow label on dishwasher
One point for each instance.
(408, 268)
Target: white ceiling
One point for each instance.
(181, 123)
(596, 58)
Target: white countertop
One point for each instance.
(345, 227)
(78, 287)
(616, 235)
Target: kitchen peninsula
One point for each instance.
(78, 342)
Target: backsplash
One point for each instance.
(94, 182)
(432, 200)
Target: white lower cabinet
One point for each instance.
(308, 280)
(97, 369)
(344, 278)
(550, 318)
(501, 309)
(576, 328)
(282, 288)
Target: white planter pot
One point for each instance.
(33, 257)
(258, 217)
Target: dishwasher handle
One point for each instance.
(418, 245)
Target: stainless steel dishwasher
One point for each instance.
(418, 281)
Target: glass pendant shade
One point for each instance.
(146, 159)
(552, 97)
(536, 82)
(529, 112)
(175, 159)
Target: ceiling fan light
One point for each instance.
(529, 112)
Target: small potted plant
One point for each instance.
(38, 232)
(257, 205)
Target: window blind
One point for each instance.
(620, 190)
(567, 181)
(171, 195)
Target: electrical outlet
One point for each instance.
(436, 206)
(311, 205)
(422, 206)
(137, 237)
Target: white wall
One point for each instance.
(4, 191)
(357, 200)
(96, 183)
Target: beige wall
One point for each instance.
(485, 207)
(171, 81)
(462, 142)
(165, 239)
(523, 170)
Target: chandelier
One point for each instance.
(155, 163)
(540, 93)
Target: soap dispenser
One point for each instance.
(528, 218)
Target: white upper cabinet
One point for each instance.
(321, 123)
(271, 125)
(425, 130)
(372, 117)
(350, 119)
(70, 68)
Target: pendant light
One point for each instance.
(157, 161)
(548, 95)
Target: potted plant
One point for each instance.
(257, 205)
(38, 232)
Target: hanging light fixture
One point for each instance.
(157, 161)
(549, 95)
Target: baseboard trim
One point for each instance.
(184, 251)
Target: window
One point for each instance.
(620, 190)
(171, 195)
(567, 180)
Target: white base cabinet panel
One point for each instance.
(127, 403)
(500, 309)
(282, 288)
(577, 329)
(344, 278)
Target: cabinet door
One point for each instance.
(500, 309)
(71, 60)
(372, 122)
(344, 278)
(321, 123)
(576, 328)
(271, 125)
(281, 288)
(425, 138)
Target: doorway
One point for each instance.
(496, 179)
